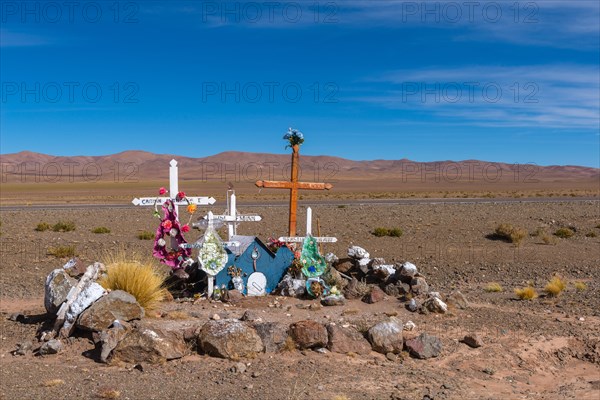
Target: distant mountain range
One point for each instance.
(236, 166)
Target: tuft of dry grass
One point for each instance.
(145, 235)
(288, 345)
(42, 227)
(64, 226)
(555, 286)
(494, 287)
(548, 239)
(53, 383)
(62, 251)
(580, 286)
(108, 394)
(177, 314)
(526, 293)
(591, 234)
(340, 397)
(138, 277)
(393, 232)
(511, 233)
(101, 229)
(564, 233)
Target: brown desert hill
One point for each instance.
(232, 165)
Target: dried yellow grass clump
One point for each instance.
(555, 286)
(494, 287)
(511, 233)
(53, 383)
(526, 293)
(139, 278)
(580, 286)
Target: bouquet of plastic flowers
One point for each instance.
(294, 136)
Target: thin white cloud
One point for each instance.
(19, 39)
(548, 96)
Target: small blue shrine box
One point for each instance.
(272, 265)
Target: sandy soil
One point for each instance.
(547, 348)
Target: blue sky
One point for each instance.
(503, 81)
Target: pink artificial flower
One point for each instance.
(167, 224)
(162, 191)
(185, 228)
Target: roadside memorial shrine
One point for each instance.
(253, 266)
(295, 139)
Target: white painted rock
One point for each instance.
(363, 264)
(436, 305)
(386, 337)
(358, 253)
(86, 298)
(408, 269)
(291, 287)
(257, 282)
(387, 269)
(58, 286)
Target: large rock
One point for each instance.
(408, 269)
(364, 265)
(435, 304)
(347, 340)
(309, 334)
(291, 287)
(458, 300)
(344, 265)
(109, 340)
(272, 334)
(144, 344)
(117, 305)
(53, 346)
(58, 286)
(358, 253)
(396, 289)
(424, 346)
(386, 337)
(333, 300)
(229, 338)
(418, 285)
(473, 340)
(375, 296)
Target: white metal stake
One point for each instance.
(173, 182)
(233, 214)
(309, 221)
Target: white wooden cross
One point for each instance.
(232, 218)
(299, 239)
(173, 190)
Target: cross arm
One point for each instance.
(274, 184)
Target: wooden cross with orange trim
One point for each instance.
(294, 186)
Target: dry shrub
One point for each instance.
(64, 226)
(178, 314)
(548, 239)
(62, 251)
(108, 394)
(42, 227)
(526, 293)
(591, 234)
(340, 397)
(288, 345)
(101, 229)
(494, 287)
(555, 286)
(511, 233)
(580, 286)
(138, 277)
(53, 383)
(564, 233)
(145, 235)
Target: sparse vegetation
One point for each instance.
(137, 277)
(101, 229)
(64, 226)
(42, 227)
(580, 286)
(178, 314)
(62, 251)
(145, 235)
(598, 226)
(288, 345)
(526, 293)
(591, 234)
(510, 233)
(564, 233)
(494, 287)
(548, 239)
(108, 394)
(394, 232)
(342, 206)
(53, 383)
(555, 286)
